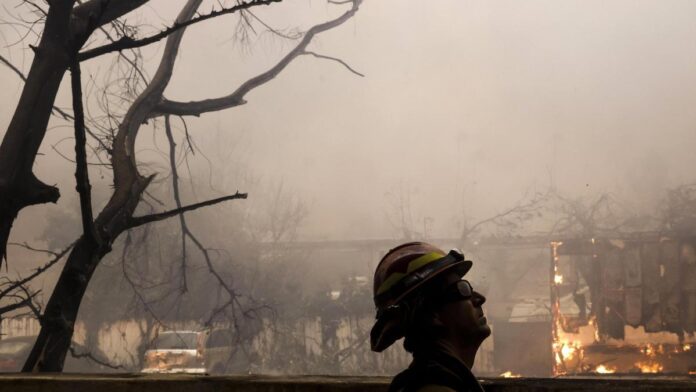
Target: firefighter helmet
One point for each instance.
(399, 275)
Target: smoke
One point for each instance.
(467, 108)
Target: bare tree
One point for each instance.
(400, 214)
(68, 25)
(678, 212)
(509, 220)
(590, 217)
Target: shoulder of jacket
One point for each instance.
(435, 388)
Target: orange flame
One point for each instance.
(568, 350)
(601, 369)
(649, 367)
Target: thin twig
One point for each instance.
(38, 271)
(27, 246)
(320, 56)
(91, 357)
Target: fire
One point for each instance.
(649, 367)
(567, 351)
(577, 351)
(601, 369)
(651, 350)
(510, 374)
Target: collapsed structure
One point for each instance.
(572, 306)
(623, 305)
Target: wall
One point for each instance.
(181, 383)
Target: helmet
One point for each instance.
(401, 274)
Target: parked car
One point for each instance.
(15, 351)
(176, 352)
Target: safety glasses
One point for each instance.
(457, 291)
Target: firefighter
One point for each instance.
(420, 295)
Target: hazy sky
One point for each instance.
(464, 105)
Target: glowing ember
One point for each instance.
(601, 369)
(687, 347)
(649, 350)
(557, 358)
(558, 279)
(509, 374)
(649, 367)
(567, 351)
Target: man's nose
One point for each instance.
(478, 299)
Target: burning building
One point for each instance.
(623, 305)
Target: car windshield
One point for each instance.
(12, 347)
(176, 340)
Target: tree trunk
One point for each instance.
(18, 186)
(58, 320)
(65, 31)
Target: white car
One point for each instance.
(176, 352)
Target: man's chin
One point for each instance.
(485, 331)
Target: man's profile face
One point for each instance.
(465, 318)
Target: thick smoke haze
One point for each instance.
(465, 106)
(438, 114)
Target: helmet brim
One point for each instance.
(459, 267)
(386, 330)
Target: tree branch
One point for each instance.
(12, 67)
(25, 302)
(187, 233)
(130, 43)
(177, 197)
(142, 220)
(196, 108)
(306, 52)
(104, 10)
(521, 208)
(29, 247)
(91, 357)
(35, 309)
(38, 271)
(128, 182)
(83, 186)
